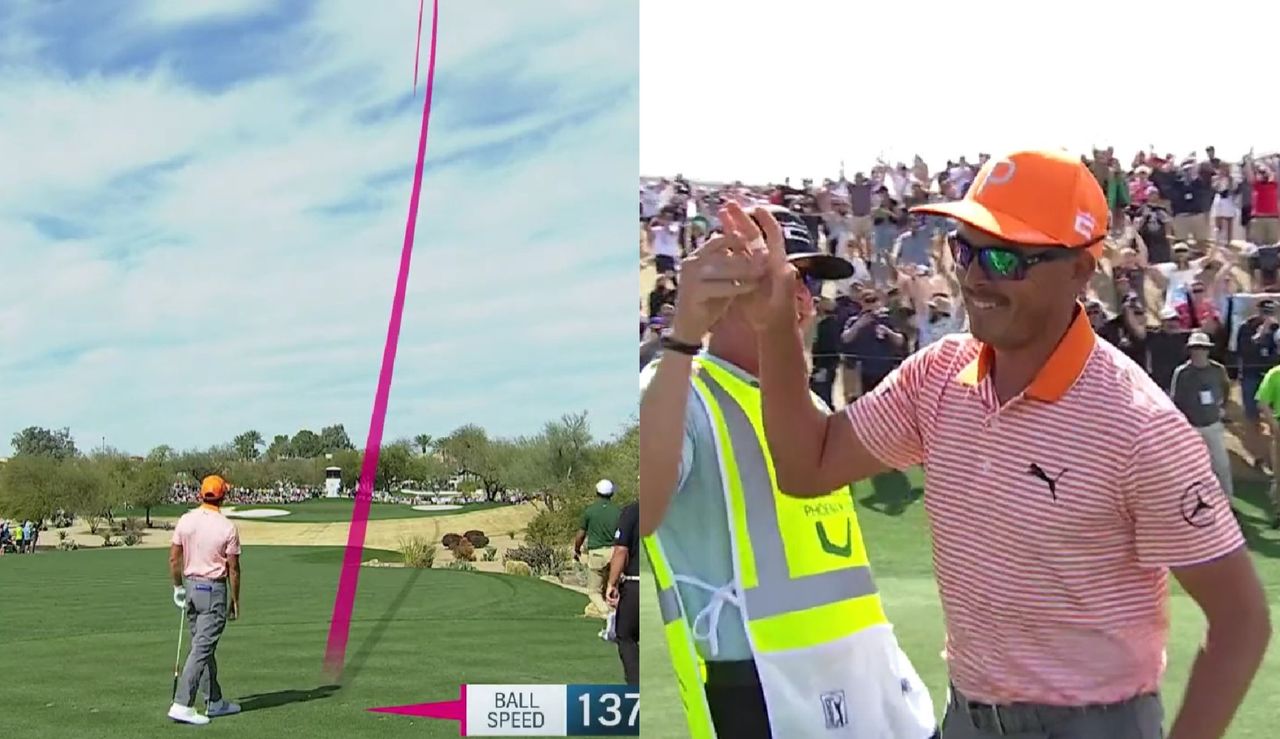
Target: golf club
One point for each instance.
(177, 660)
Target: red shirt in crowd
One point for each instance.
(1204, 312)
(1266, 203)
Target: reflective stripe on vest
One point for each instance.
(812, 586)
(691, 674)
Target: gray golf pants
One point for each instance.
(206, 617)
(1140, 717)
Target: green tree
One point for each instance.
(298, 472)
(197, 464)
(279, 448)
(423, 442)
(119, 477)
(152, 482)
(162, 454)
(395, 464)
(246, 444)
(89, 493)
(334, 439)
(349, 462)
(305, 445)
(37, 441)
(619, 462)
(429, 471)
(470, 451)
(251, 475)
(28, 487)
(560, 463)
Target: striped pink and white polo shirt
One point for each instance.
(1055, 518)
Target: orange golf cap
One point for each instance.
(213, 487)
(1045, 198)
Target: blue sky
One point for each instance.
(202, 207)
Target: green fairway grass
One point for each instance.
(319, 510)
(87, 644)
(893, 522)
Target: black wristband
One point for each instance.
(679, 346)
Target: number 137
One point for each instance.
(612, 715)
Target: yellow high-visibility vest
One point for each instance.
(825, 651)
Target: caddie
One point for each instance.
(773, 621)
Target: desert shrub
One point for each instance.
(515, 567)
(459, 564)
(465, 551)
(542, 559)
(450, 540)
(477, 539)
(132, 525)
(108, 539)
(551, 527)
(62, 536)
(512, 535)
(131, 538)
(417, 552)
(69, 545)
(490, 554)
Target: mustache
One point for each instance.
(982, 295)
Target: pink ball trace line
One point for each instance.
(417, 49)
(455, 710)
(344, 601)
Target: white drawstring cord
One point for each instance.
(706, 623)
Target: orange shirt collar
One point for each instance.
(1058, 373)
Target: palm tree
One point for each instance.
(424, 442)
(247, 444)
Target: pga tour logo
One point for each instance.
(835, 710)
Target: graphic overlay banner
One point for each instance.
(536, 710)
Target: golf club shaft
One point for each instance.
(177, 660)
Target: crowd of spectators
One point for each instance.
(184, 494)
(18, 537)
(1193, 249)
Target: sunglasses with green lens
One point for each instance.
(1004, 262)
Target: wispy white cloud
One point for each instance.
(166, 13)
(182, 263)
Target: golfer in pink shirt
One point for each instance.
(205, 553)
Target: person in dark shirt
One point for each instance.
(663, 293)
(1256, 349)
(1264, 265)
(623, 592)
(1189, 191)
(1125, 331)
(809, 212)
(1166, 348)
(871, 340)
(826, 351)
(1152, 223)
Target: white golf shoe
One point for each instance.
(222, 708)
(187, 715)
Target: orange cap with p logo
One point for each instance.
(213, 488)
(1041, 198)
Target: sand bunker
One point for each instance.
(442, 507)
(259, 513)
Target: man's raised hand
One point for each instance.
(774, 298)
(710, 278)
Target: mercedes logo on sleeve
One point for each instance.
(1196, 511)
